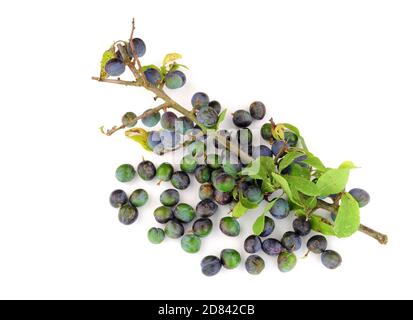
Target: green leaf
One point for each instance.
(267, 186)
(176, 66)
(300, 213)
(288, 159)
(171, 57)
(221, 118)
(303, 144)
(292, 128)
(261, 169)
(101, 129)
(107, 55)
(164, 71)
(299, 171)
(247, 203)
(239, 210)
(310, 202)
(286, 187)
(348, 217)
(315, 163)
(333, 181)
(140, 136)
(348, 165)
(259, 224)
(303, 185)
(150, 66)
(322, 225)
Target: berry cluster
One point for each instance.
(238, 168)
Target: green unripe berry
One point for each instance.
(224, 183)
(174, 229)
(191, 243)
(286, 261)
(184, 213)
(165, 172)
(139, 198)
(125, 173)
(230, 226)
(202, 227)
(189, 164)
(156, 235)
(170, 197)
(230, 258)
(128, 214)
(266, 131)
(129, 120)
(163, 214)
(206, 191)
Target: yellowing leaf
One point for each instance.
(107, 55)
(278, 132)
(171, 57)
(140, 136)
(348, 165)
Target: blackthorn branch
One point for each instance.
(135, 67)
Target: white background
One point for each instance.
(340, 70)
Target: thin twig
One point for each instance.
(143, 115)
(135, 55)
(381, 238)
(117, 81)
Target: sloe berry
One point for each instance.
(291, 241)
(302, 226)
(156, 235)
(258, 110)
(169, 198)
(128, 214)
(200, 100)
(269, 227)
(317, 244)
(242, 118)
(230, 258)
(281, 209)
(272, 247)
(115, 67)
(211, 265)
(286, 261)
(230, 227)
(331, 259)
(151, 120)
(125, 173)
(206, 208)
(174, 229)
(361, 196)
(139, 198)
(118, 198)
(175, 79)
(191, 243)
(146, 170)
(184, 213)
(129, 120)
(163, 214)
(202, 227)
(252, 244)
(206, 191)
(180, 180)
